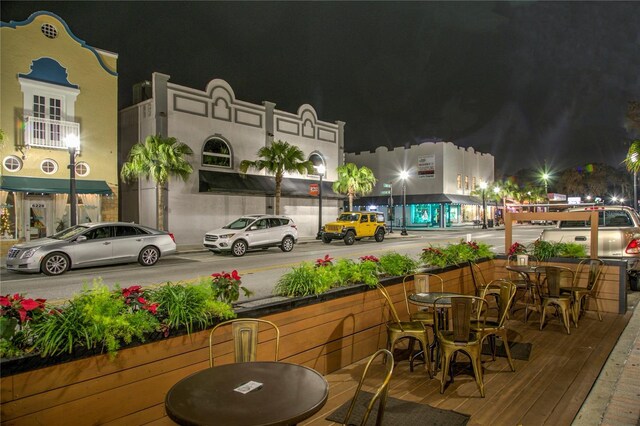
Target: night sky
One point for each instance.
(528, 82)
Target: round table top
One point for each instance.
(289, 393)
(430, 298)
(525, 269)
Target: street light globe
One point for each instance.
(496, 189)
(321, 169)
(404, 174)
(483, 185)
(545, 176)
(72, 141)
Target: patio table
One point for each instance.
(289, 394)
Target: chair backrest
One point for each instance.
(507, 293)
(463, 308)
(556, 277)
(593, 267)
(380, 394)
(438, 282)
(477, 276)
(245, 338)
(392, 309)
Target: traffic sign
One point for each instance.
(314, 189)
(386, 185)
(385, 192)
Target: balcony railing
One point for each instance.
(47, 133)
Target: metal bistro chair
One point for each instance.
(522, 280)
(397, 330)
(480, 282)
(550, 294)
(593, 269)
(380, 395)
(492, 328)
(460, 336)
(245, 338)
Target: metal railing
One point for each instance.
(48, 133)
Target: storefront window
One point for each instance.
(7, 215)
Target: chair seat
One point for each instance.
(446, 338)
(484, 325)
(572, 289)
(406, 326)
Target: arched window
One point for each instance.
(217, 153)
(317, 160)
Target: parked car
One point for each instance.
(91, 244)
(252, 232)
(353, 226)
(618, 236)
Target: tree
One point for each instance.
(354, 181)
(278, 158)
(159, 159)
(632, 160)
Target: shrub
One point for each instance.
(396, 264)
(544, 250)
(452, 254)
(306, 279)
(226, 286)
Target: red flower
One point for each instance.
(370, 259)
(235, 275)
(4, 301)
(18, 307)
(126, 292)
(324, 261)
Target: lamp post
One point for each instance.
(545, 178)
(483, 186)
(404, 175)
(73, 143)
(634, 158)
(496, 192)
(321, 170)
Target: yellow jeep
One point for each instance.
(353, 226)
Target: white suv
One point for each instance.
(252, 232)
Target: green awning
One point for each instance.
(52, 186)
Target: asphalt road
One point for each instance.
(260, 270)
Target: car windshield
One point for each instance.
(69, 232)
(241, 223)
(348, 217)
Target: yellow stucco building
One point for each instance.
(54, 87)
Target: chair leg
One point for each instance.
(503, 336)
(477, 369)
(565, 317)
(595, 302)
(444, 369)
(542, 315)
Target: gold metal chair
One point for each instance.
(593, 269)
(550, 295)
(522, 280)
(245, 338)
(480, 282)
(397, 330)
(380, 395)
(460, 336)
(490, 328)
(425, 317)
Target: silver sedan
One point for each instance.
(91, 244)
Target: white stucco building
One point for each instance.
(441, 177)
(222, 131)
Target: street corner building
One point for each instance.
(56, 92)
(223, 131)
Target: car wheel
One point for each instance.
(55, 264)
(287, 244)
(380, 235)
(326, 239)
(149, 256)
(349, 238)
(239, 248)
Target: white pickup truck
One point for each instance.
(618, 236)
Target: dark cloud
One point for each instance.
(528, 82)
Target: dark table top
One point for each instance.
(427, 299)
(525, 269)
(290, 393)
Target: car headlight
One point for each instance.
(27, 254)
(227, 235)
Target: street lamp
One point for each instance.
(483, 186)
(634, 158)
(321, 170)
(73, 143)
(545, 178)
(404, 175)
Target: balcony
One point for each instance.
(48, 133)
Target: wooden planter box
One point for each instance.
(326, 333)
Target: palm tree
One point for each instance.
(354, 181)
(159, 159)
(278, 158)
(632, 160)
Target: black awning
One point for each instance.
(237, 183)
(420, 199)
(52, 186)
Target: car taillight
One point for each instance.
(633, 247)
(172, 237)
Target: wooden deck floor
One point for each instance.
(548, 389)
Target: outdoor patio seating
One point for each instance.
(592, 268)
